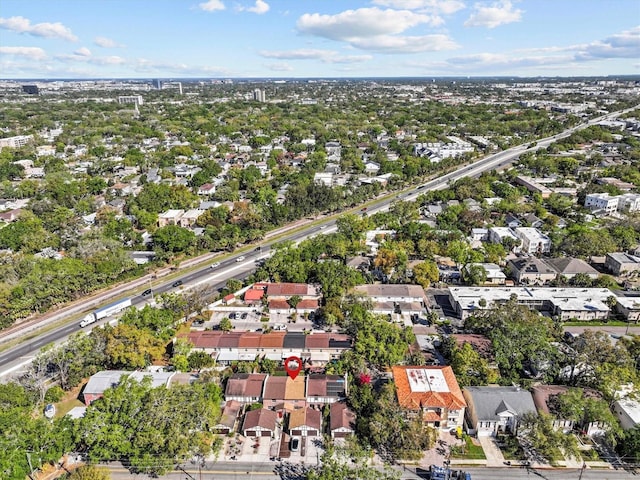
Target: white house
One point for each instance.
(533, 240)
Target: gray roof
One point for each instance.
(489, 402)
(294, 340)
(104, 380)
(571, 266)
(531, 265)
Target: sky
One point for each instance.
(43, 39)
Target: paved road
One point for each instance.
(267, 471)
(11, 359)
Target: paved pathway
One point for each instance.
(491, 451)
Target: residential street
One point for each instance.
(266, 471)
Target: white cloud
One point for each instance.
(621, 45)
(445, 7)
(493, 15)
(105, 42)
(325, 56)
(110, 60)
(34, 53)
(377, 30)
(406, 44)
(142, 65)
(349, 59)
(625, 44)
(301, 54)
(279, 67)
(211, 5)
(260, 7)
(49, 30)
(83, 52)
(364, 22)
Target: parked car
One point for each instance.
(233, 315)
(146, 292)
(295, 444)
(177, 283)
(244, 315)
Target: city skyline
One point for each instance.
(278, 38)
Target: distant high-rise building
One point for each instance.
(31, 89)
(157, 84)
(124, 99)
(259, 95)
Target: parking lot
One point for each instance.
(249, 319)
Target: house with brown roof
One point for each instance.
(229, 418)
(260, 423)
(11, 215)
(227, 347)
(284, 291)
(432, 392)
(342, 420)
(305, 422)
(326, 389)
(545, 400)
(284, 393)
(245, 387)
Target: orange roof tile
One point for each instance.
(253, 295)
(249, 340)
(287, 289)
(294, 389)
(279, 305)
(307, 304)
(272, 340)
(429, 394)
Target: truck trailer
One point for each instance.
(105, 311)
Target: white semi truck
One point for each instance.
(105, 311)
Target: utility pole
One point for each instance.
(584, 465)
(179, 467)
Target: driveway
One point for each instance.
(491, 451)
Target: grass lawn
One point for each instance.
(612, 323)
(511, 449)
(469, 450)
(69, 401)
(590, 455)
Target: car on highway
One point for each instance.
(214, 265)
(177, 283)
(146, 292)
(240, 258)
(322, 227)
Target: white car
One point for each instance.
(214, 265)
(240, 258)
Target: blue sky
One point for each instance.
(317, 38)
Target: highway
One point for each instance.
(13, 359)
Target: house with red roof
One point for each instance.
(245, 387)
(260, 423)
(431, 391)
(227, 347)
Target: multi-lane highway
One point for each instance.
(237, 267)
